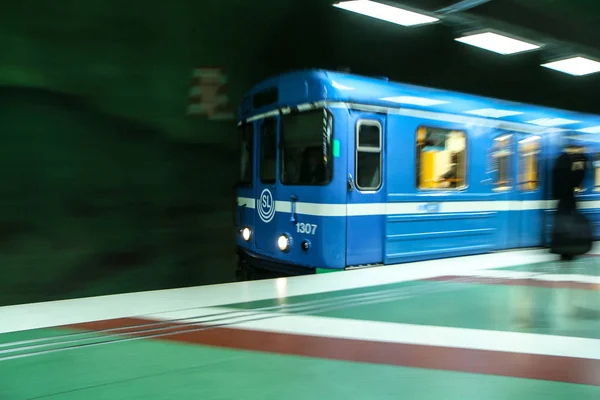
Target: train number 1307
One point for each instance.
(309, 229)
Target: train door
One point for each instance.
(501, 162)
(266, 179)
(366, 203)
(527, 205)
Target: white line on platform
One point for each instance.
(56, 313)
(390, 332)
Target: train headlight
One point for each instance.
(283, 242)
(246, 234)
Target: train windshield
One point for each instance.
(305, 148)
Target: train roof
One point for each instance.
(309, 86)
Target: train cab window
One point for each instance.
(246, 152)
(502, 158)
(368, 155)
(441, 158)
(306, 153)
(268, 151)
(529, 154)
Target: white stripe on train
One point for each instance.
(423, 114)
(407, 208)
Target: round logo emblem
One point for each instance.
(266, 206)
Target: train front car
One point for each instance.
(342, 171)
(291, 204)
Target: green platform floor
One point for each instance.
(156, 369)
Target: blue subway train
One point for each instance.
(341, 171)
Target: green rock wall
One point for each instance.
(107, 185)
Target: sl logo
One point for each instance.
(266, 206)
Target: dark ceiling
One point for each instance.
(573, 21)
(313, 34)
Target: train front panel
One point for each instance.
(291, 209)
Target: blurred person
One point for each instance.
(450, 176)
(572, 232)
(313, 167)
(571, 236)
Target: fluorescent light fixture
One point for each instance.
(497, 43)
(493, 113)
(416, 101)
(593, 129)
(576, 66)
(386, 13)
(552, 121)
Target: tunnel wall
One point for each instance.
(109, 186)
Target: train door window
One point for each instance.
(596, 165)
(441, 159)
(368, 155)
(575, 149)
(268, 151)
(529, 152)
(502, 160)
(246, 154)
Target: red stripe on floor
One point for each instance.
(530, 366)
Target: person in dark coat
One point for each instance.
(314, 171)
(571, 234)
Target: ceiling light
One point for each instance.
(577, 66)
(552, 121)
(593, 129)
(416, 101)
(497, 43)
(493, 113)
(387, 13)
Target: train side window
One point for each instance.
(529, 154)
(268, 151)
(441, 159)
(246, 154)
(502, 159)
(368, 155)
